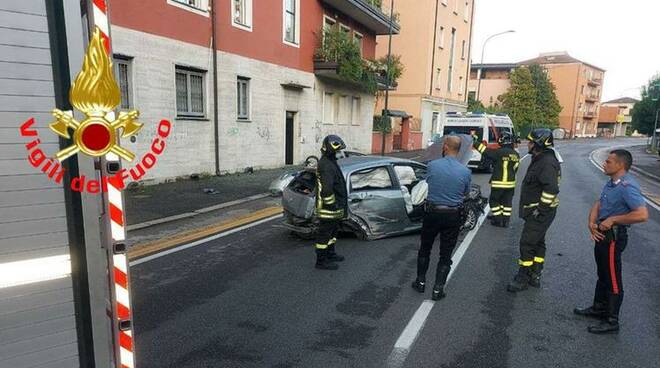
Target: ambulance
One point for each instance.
(487, 127)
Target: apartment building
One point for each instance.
(248, 95)
(578, 86)
(615, 116)
(434, 44)
(495, 81)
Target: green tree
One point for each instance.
(547, 103)
(474, 105)
(519, 101)
(643, 114)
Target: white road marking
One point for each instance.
(600, 167)
(412, 330)
(202, 241)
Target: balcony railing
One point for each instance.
(367, 13)
(595, 81)
(592, 98)
(589, 114)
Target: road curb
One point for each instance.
(151, 247)
(194, 213)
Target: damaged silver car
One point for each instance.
(378, 191)
(379, 198)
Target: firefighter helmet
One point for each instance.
(542, 138)
(332, 144)
(505, 139)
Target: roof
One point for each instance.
(622, 100)
(494, 66)
(557, 58)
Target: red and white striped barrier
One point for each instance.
(122, 301)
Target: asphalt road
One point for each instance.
(253, 298)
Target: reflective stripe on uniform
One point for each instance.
(496, 211)
(531, 205)
(502, 184)
(525, 263)
(505, 172)
(329, 199)
(321, 246)
(539, 259)
(506, 211)
(481, 148)
(332, 241)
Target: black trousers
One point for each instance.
(608, 264)
(501, 202)
(448, 226)
(532, 239)
(327, 233)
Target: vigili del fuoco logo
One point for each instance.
(96, 94)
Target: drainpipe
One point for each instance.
(435, 35)
(216, 130)
(469, 56)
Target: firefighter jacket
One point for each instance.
(331, 198)
(540, 187)
(505, 165)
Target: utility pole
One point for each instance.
(386, 112)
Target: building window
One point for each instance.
(195, 6)
(472, 95)
(463, 50)
(241, 11)
(328, 108)
(356, 110)
(189, 92)
(124, 75)
(450, 69)
(292, 22)
(466, 15)
(441, 38)
(344, 28)
(456, 7)
(460, 86)
(358, 40)
(345, 106)
(438, 79)
(444, 2)
(328, 22)
(242, 98)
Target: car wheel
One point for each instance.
(470, 220)
(311, 162)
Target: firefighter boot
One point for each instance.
(599, 308)
(332, 254)
(505, 221)
(420, 283)
(521, 281)
(440, 281)
(535, 275)
(322, 261)
(609, 324)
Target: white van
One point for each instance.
(487, 126)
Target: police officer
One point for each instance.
(449, 182)
(620, 205)
(538, 207)
(331, 202)
(503, 181)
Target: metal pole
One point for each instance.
(481, 68)
(216, 129)
(654, 141)
(386, 112)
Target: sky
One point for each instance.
(618, 36)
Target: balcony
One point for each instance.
(329, 71)
(595, 81)
(591, 98)
(589, 114)
(368, 15)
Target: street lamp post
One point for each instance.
(483, 49)
(386, 111)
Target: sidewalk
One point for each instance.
(152, 202)
(645, 162)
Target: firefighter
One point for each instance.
(331, 202)
(538, 207)
(503, 181)
(621, 204)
